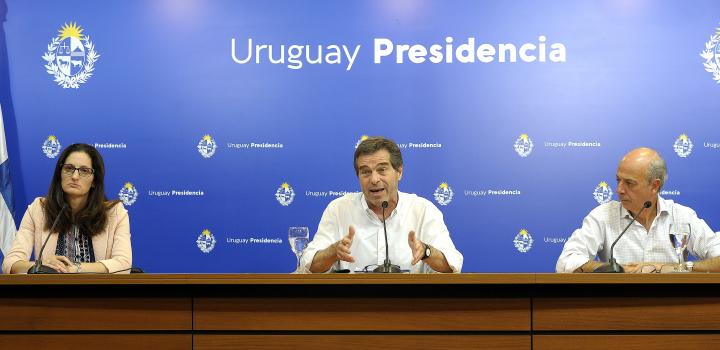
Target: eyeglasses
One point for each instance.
(69, 169)
(663, 269)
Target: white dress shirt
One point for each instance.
(412, 213)
(605, 223)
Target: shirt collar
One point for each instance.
(367, 209)
(662, 207)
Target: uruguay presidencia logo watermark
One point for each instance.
(711, 54)
(362, 138)
(128, 194)
(206, 241)
(523, 145)
(683, 146)
(207, 146)
(71, 57)
(285, 194)
(51, 147)
(603, 193)
(443, 194)
(523, 241)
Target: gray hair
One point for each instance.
(657, 170)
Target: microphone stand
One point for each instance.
(387, 266)
(612, 266)
(39, 268)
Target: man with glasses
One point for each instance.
(649, 244)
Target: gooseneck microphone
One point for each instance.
(387, 266)
(612, 266)
(39, 268)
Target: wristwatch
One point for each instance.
(427, 252)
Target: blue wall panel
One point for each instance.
(165, 77)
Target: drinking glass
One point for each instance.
(680, 233)
(298, 238)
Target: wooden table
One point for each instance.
(360, 311)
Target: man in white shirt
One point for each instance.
(350, 234)
(648, 245)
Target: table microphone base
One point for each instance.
(387, 267)
(41, 270)
(611, 267)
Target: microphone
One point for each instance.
(612, 266)
(387, 266)
(39, 268)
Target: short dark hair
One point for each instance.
(374, 144)
(90, 220)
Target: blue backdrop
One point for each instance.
(500, 147)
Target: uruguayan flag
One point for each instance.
(7, 223)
